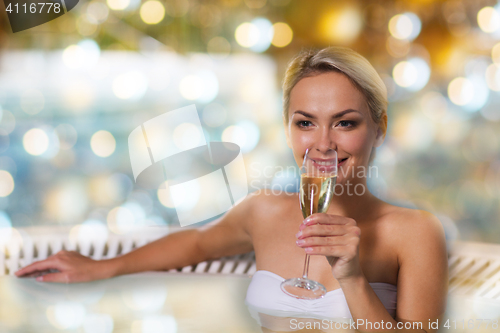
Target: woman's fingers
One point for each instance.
(38, 266)
(327, 230)
(60, 277)
(339, 246)
(323, 218)
(321, 241)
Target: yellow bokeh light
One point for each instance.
(495, 54)
(152, 12)
(6, 183)
(118, 4)
(283, 34)
(488, 19)
(103, 143)
(461, 91)
(247, 34)
(341, 26)
(400, 26)
(35, 141)
(405, 74)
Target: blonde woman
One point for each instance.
(389, 263)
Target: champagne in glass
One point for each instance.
(317, 186)
(316, 193)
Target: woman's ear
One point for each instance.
(381, 131)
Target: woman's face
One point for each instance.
(328, 112)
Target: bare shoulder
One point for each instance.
(412, 223)
(257, 206)
(413, 230)
(269, 203)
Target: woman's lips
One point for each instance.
(327, 165)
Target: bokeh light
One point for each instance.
(247, 34)
(132, 85)
(283, 34)
(126, 218)
(118, 4)
(97, 12)
(73, 56)
(152, 12)
(412, 74)
(341, 26)
(405, 74)
(67, 201)
(488, 19)
(405, 26)
(103, 143)
(6, 183)
(164, 196)
(460, 91)
(493, 77)
(35, 141)
(210, 85)
(191, 87)
(84, 54)
(266, 32)
(245, 134)
(495, 54)
(66, 315)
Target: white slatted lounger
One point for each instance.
(474, 268)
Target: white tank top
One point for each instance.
(264, 295)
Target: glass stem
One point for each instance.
(306, 267)
(306, 263)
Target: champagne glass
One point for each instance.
(318, 176)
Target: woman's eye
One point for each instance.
(346, 123)
(304, 123)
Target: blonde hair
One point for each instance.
(358, 70)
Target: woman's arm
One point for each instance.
(226, 236)
(419, 242)
(422, 285)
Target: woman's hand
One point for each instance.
(69, 267)
(337, 238)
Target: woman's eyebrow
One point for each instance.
(337, 115)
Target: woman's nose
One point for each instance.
(325, 142)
